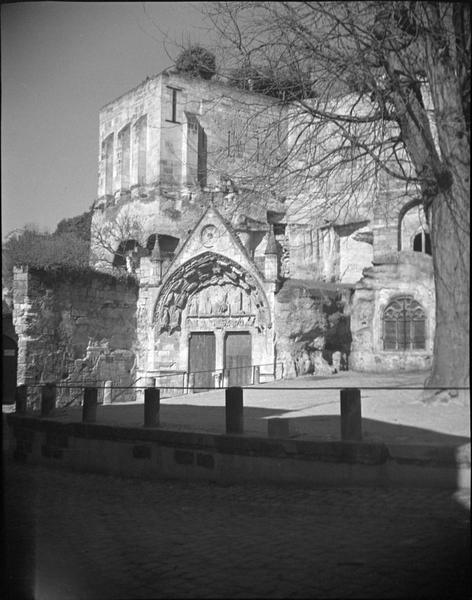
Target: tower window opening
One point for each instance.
(173, 105)
(422, 242)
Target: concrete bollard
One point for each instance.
(48, 399)
(351, 418)
(256, 374)
(20, 399)
(234, 410)
(107, 392)
(278, 428)
(152, 398)
(89, 409)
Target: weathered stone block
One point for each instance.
(184, 457)
(205, 460)
(142, 452)
(278, 428)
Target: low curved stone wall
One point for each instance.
(157, 453)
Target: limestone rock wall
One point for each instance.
(74, 328)
(312, 332)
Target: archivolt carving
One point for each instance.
(228, 286)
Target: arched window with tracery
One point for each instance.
(404, 325)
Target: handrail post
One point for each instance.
(351, 418)
(20, 399)
(89, 409)
(48, 399)
(225, 378)
(107, 392)
(191, 383)
(234, 410)
(152, 398)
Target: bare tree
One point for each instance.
(371, 94)
(116, 243)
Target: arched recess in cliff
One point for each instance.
(195, 275)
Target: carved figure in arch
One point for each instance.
(193, 306)
(221, 306)
(174, 318)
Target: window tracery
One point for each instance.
(404, 325)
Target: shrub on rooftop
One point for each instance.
(197, 62)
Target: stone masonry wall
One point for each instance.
(74, 328)
(400, 273)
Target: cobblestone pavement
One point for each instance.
(86, 536)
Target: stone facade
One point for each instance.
(226, 277)
(400, 274)
(397, 271)
(198, 132)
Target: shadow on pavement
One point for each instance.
(19, 526)
(211, 419)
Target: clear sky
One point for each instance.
(61, 62)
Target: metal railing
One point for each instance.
(71, 393)
(350, 408)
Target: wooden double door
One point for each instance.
(202, 359)
(237, 358)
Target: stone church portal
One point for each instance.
(216, 317)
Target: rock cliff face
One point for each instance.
(313, 335)
(74, 328)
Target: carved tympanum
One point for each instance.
(211, 288)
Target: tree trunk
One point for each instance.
(449, 221)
